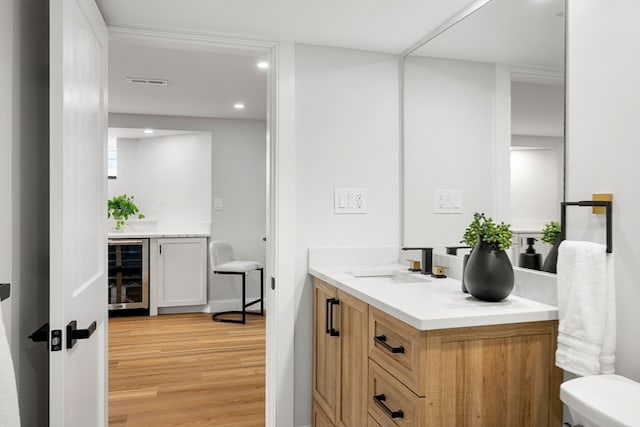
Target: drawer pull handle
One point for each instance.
(379, 399)
(382, 340)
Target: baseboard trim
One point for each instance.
(185, 309)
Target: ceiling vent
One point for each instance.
(145, 81)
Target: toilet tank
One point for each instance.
(602, 401)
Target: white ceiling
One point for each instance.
(377, 25)
(524, 33)
(199, 83)
(206, 84)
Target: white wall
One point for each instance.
(238, 177)
(602, 146)
(346, 136)
(449, 144)
(537, 171)
(169, 176)
(537, 109)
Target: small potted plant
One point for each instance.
(489, 274)
(551, 235)
(470, 238)
(551, 232)
(120, 208)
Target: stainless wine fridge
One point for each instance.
(129, 274)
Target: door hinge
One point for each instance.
(273, 283)
(56, 339)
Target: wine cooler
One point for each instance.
(128, 274)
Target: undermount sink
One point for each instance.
(389, 275)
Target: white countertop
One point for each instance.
(437, 304)
(152, 234)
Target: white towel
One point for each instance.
(9, 413)
(586, 308)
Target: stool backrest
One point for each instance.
(220, 252)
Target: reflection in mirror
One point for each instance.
(484, 122)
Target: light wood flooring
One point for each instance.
(186, 370)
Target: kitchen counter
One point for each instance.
(433, 304)
(152, 234)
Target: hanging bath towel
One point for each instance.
(586, 309)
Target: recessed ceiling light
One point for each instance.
(148, 131)
(238, 106)
(263, 65)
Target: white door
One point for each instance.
(78, 235)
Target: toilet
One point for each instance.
(602, 401)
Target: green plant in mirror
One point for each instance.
(496, 235)
(550, 232)
(120, 208)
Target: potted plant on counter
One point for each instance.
(488, 275)
(470, 238)
(120, 208)
(551, 235)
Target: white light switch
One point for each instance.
(350, 201)
(447, 201)
(217, 204)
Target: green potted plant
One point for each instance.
(120, 208)
(550, 232)
(551, 235)
(470, 238)
(488, 275)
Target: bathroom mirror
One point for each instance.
(483, 121)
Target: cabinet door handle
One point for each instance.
(326, 315)
(332, 331)
(382, 340)
(379, 399)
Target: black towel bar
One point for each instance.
(5, 290)
(609, 215)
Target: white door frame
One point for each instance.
(280, 203)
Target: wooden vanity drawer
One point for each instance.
(371, 422)
(391, 403)
(400, 348)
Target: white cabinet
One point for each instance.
(182, 271)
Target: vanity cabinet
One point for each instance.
(340, 358)
(182, 271)
(484, 375)
(495, 375)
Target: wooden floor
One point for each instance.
(186, 370)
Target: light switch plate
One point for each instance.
(447, 202)
(217, 204)
(350, 200)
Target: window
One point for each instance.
(112, 158)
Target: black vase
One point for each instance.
(465, 260)
(489, 274)
(551, 261)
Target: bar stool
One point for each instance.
(223, 262)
